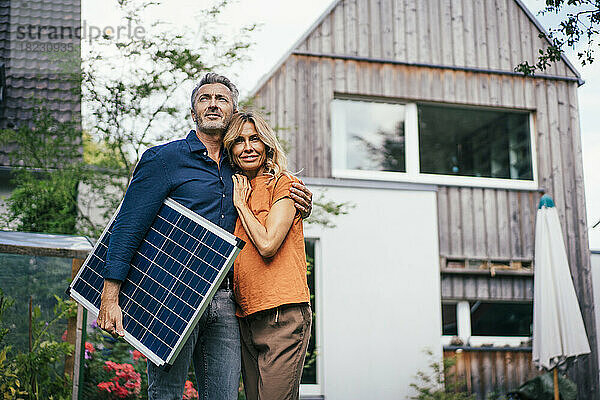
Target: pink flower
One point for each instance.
(108, 386)
(126, 381)
(137, 355)
(189, 393)
(121, 392)
(89, 350)
(110, 366)
(64, 336)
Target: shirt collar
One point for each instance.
(196, 145)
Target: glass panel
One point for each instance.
(474, 142)
(449, 326)
(501, 319)
(372, 135)
(38, 277)
(309, 375)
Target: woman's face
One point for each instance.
(248, 151)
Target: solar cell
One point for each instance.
(173, 275)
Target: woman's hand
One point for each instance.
(241, 190)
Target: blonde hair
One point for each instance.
(276, 162)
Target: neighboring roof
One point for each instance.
(35, 66)
(332, 7)
(44, 244)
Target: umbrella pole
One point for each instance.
(556, 393)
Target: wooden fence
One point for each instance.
(485, 370)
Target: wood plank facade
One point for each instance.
(458, 52)
(488, 370)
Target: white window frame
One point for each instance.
(412, 174)
(311, 390)
(463, 322)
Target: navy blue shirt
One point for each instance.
(183, 171)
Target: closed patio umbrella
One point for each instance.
(558, 330)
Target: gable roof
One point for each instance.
(568, 70)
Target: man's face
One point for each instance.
(213, 108)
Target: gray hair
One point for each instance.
(212, 77)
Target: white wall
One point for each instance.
(378, 293)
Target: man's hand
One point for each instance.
(302, 199)
(241, 190)
(110, 317)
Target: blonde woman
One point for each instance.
(270, 272)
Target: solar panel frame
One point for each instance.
(236, 245)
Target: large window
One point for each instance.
(501, 319)
(487, 322)
(433, 143)
(474, 142)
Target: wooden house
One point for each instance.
(411, 111)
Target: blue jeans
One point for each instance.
(214, 348)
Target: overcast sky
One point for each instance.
(282, 22)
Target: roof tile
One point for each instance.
(32, 75)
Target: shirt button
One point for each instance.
(222, 216)
(223, 195)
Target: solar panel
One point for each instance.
(174, 274)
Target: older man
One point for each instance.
(195, 172)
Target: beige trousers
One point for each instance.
(274, 346)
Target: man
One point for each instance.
(196, 173)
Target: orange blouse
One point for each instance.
(263, 283)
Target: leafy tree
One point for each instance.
(578, 29)
(46, 169)
(147, 101)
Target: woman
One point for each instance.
(270, 272)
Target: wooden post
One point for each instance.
(79, 352)
(30, 323)
(75, 336)
(556, 391)
(33, 382)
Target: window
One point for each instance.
(310, 381)
(479, 323)
(501, 319)
(433, 143)
(449, 323)
(371, 135)
(474, 142)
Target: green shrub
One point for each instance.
(39, 372)
(439, 383)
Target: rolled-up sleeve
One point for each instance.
(147, 191)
